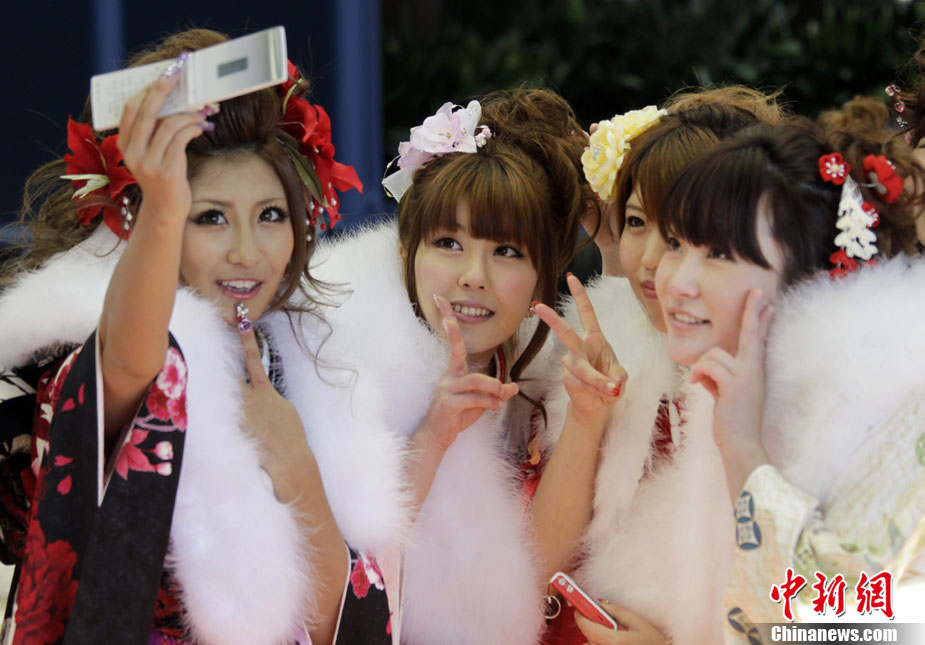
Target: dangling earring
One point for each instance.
(126, 214)
(308, 230)
(530, 312)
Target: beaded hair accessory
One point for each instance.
(451, 129)
(857, 217)
(609, 144)
(96, 169)
(312, 153)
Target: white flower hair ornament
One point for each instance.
(856, 217)
(609, 144)
(452, 129)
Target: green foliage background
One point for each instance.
(608, 56)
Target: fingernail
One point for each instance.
(570, 274)
(207, 126)
(534, 304)
(174, 68)
(210, 110)
(615, 388)
(244, 323)
(436, 299)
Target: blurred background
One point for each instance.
(382, 66)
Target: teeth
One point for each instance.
(239, 285)
(684, 318)
(471, 311)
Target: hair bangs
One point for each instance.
(715, 202)
(502, 199)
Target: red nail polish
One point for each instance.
(615, 392)
(534, 304)
(569, 273)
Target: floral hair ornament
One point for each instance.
(99, 177)
(609, 144)
(452, 129)
(856, 218)
(883, 178)
(312, 153)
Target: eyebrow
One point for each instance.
(219, 202)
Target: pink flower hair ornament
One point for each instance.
(451, 129)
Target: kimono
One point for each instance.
(844, 427)
(659, 538)
(180, 529)
(469, 575)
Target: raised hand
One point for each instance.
(461, 397)
(634, 630)
(737, 384)
(139, 300)
(155, 149)
(592, 375)
(274, 423)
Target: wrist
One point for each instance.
(591, 424)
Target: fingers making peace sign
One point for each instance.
(461, 397)
(591, 373)
(737, 384)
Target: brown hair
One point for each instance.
(524, 186)
(247, 124)
(715, 200)
(697, 120)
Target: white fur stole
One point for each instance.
(843, 355)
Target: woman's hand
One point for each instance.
(458, 402)
(461, 397)
(737, 384)
(139, 300)
(634, 630)
(592, 375)
(155, 149)
(275, 424)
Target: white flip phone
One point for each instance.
(210, 75)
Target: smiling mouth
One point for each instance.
(471, 314)
(687, 319)
(239, 289)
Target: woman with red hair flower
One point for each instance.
(116, 382)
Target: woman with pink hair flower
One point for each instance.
(490, 196)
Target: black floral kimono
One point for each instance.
(89, 539)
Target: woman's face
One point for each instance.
(641, 248)
(238, 239)
(702, 293)
(489, 284)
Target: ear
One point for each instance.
(401, 251)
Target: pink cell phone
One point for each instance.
(582, 602)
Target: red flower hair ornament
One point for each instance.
(313, 157)
(883, 178)
(96, 168)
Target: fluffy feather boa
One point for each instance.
(657, 545)
(843, 355)
(236, 552)
(469, 574)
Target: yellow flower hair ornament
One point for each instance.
(608, 146)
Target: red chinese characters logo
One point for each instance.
(874, 593)
(787, 591)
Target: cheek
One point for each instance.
(629, 255)
(197, 258)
